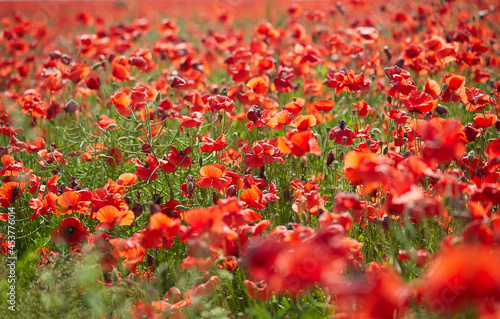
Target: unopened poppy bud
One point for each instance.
(154, 208)
(181, 207)
(304, 217)
(386, 149)
(369, 142)
(231, 191)
(445, 87)
(190, 187)
(137, 209)
(389, 99)
(330, 158)
(71, 106)
(150, 260)
(200, 161)
(115, 276)
(341, 156)
(471, 156)
(215, 198)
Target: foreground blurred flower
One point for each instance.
(462, 277)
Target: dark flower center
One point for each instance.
(70, 231)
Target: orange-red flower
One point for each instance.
(324, 105)
(213, 175)
(299, 143)
(485, 120)
(418, 101)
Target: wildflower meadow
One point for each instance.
(250, 159)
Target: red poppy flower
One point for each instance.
(400, 81)
(10, 192)
(342, 134)
(161, 231)
(148, 170)
(213, 175)
(109, 215)
(432, 87)
(180, 158)
(299, 143)
(209, 145)
(363, 108)
(303, 122)
(262, 153)
(122, 102)
(258, 290)
(194, 119)
(485, 120)
(71, 231)
(106, 123)
(258, 85)
(293, 107)
(219, 102)
(418, 101)
(324, 105)
(475, 99)
(130, 249)
(469, 273)
(43, 207)
(344, 80)
(70, 202)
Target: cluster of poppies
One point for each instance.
(350, 152)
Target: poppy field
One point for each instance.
(250, 159)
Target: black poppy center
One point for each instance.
(70, 231)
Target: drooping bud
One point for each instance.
(330, 158)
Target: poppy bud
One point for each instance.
(441, 110)
(386, 149)
(200, 161)
(330, 158)
(387, 53)
(154, 208)
(71, 106)
(389, 99)
(497, 126)
(471, 132)
(115, 276)
(445, 86)
(137, 209)
(215, 197)
(190, 184)
(385, 221)
(55, 55)
(471, 156)
(177, 82)
(287, 195)
(400, 63)
(304, 217)
(66, 59)
(254, 113)
(150, 260)
(341, 156)
(231, 191)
